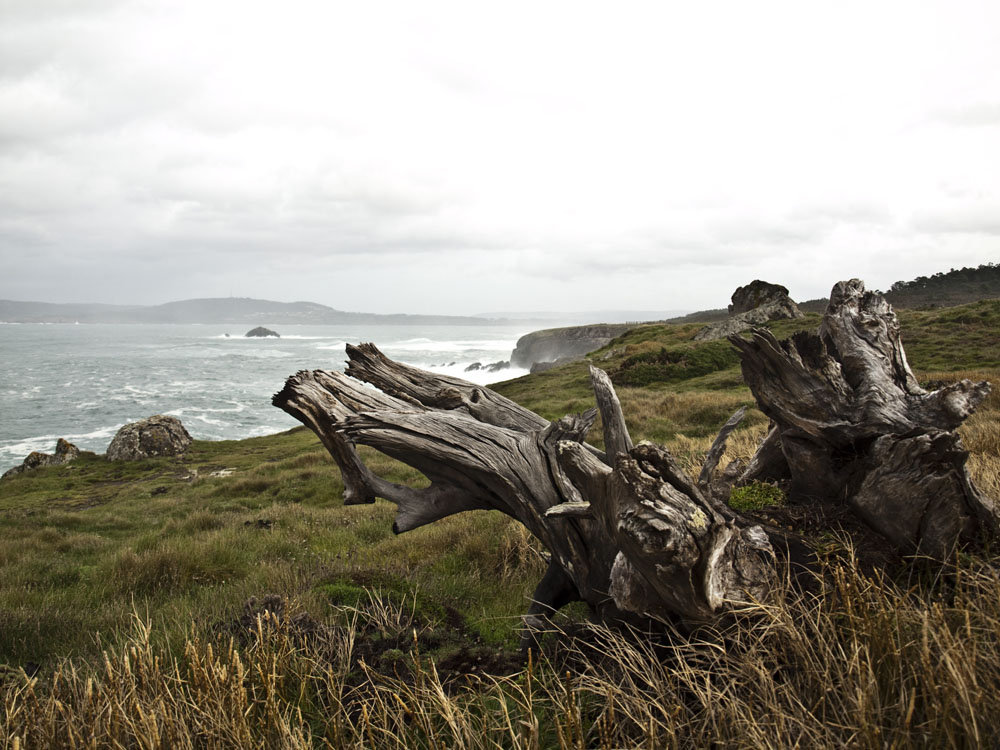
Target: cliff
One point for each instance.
(559, 343)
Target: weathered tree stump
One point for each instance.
(628, 530)
(855, 428)
(608, 520)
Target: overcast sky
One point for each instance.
(468, 157)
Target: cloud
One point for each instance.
(462, 160)
(974, 219)
(978, 114)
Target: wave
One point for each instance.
(479, 377)
(47, 443)
(199, 417)
(260, 354)
(236, 409)
(254, 339)
(456, 345)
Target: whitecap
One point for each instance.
(47, 443)
(338, 346)
(479, 377)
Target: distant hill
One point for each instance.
(702, 316)
(957, 287)
(218, 310)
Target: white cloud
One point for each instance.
(459, 157)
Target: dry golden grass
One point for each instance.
(856, 662)
(861, 663)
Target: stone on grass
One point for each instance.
(65, 452)
(152, 437)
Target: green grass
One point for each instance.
(83, 545)
(956, 338)
(87, 546)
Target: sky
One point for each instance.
(467, 157)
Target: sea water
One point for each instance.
(83, 382)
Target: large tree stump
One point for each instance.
(628, 530)
(623, 528)
(855, 428)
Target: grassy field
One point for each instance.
(229, 599)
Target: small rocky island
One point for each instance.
(260, 332)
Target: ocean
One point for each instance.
(83, 382)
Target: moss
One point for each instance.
(755, 496)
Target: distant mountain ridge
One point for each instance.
(216, 310)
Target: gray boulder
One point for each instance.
(152, 437)
(757, 294)
(753, 305)
(65, 452)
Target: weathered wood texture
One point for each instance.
(610, 528)
(628, 530)
(853, 426)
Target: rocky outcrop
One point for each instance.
(65, 452)
(753, 305)
(260, 332)
(554, 344)
(757, 294)
(492, 367)
(152, 437)
(546, 366)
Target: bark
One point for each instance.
(629, 532)
(638, 536)
(854, 426)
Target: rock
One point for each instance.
(753, 305)
(573, 342)
(260, 332)
(498, 366)
(757, 294)
(544, 366)
(474, 367)
(152, 437)
(616, 352)
(65, 452)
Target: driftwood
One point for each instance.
(629, 532)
